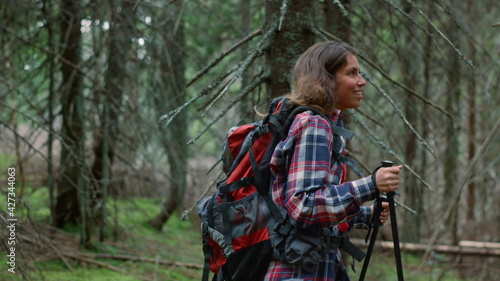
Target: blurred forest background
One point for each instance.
(103, 103)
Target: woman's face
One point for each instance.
(349, 83)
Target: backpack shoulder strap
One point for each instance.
(336, 130)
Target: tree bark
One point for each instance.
(453, 94)
(293, 37)
(336, 22)
(471, 130)
(413, 191)
(67, 207)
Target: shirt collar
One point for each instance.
(336, 116)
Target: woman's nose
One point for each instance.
(361, 82)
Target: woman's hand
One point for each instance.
(384, 215)
(387, 179)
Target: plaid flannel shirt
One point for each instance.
(307, 182)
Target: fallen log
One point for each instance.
(81, 257)
(464, 247)
(140, 259)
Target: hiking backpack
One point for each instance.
(242, 227)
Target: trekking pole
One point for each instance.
(389, 197)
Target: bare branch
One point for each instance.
(23, 139)
(283, 10)
(422, 140)
(243, 93)
(343, 10)
(242, 67)
(50, 52)
(457, 23)
(406, 88)
(326, 34)
(188, 211)
(418, 25)
(363, 166)
(222, 55)
(215, 84)
(463, 183)
(390, 151)
(468, 61)
(169, 117)
(373, 120)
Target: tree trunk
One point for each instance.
(413, 191)
(471, 132)
(174, 137)
(67, 208)
(293, 37)
(453, 94)
(47, 8)
(118, 56)
(424, 124)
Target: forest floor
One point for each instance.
(135, 251)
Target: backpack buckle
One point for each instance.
(284, 227)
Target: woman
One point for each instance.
(305, 180)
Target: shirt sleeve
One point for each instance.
(362, 220)
(313, 195)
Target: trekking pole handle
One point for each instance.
(385, 164)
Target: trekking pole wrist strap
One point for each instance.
(374, 178)
(385, 164)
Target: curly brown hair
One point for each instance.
(314, 72)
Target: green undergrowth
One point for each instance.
(128, 234)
